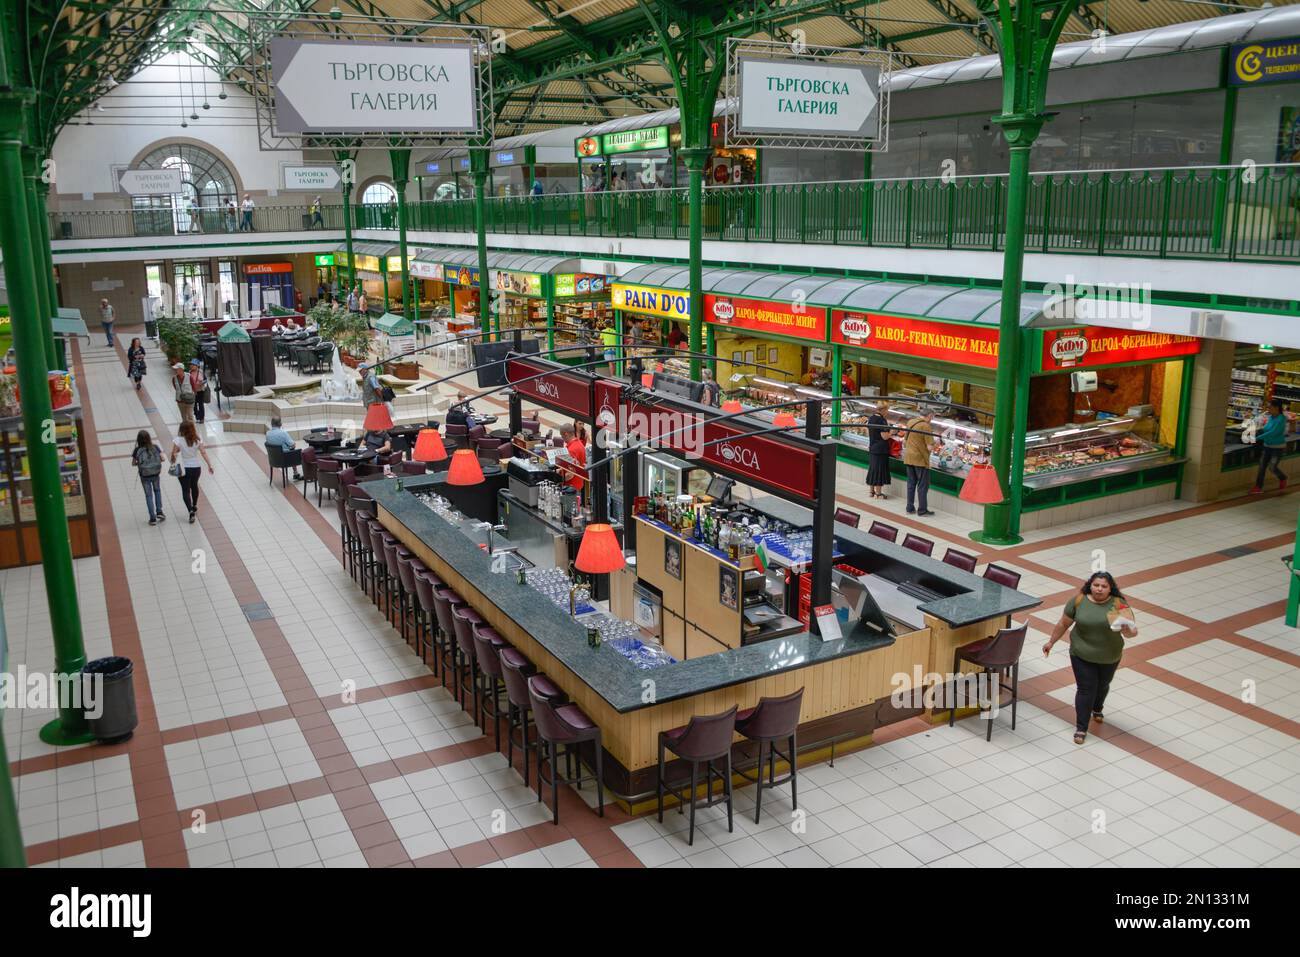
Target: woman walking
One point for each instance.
(1272, 440)
(135, 364)
(147, 458)
(191, 449)
(878, 447)
(1102, 620)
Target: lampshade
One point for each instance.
(784, 420)
(464, 468)
(599, 552)
(429, 447)
(981, 486)
(731, 405)
(377, 418)
(648, 379)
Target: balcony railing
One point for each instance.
(157, 221)
(1220, 213)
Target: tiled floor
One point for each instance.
(311, 736)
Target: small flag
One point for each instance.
(760, 554)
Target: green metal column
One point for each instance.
(45, 262)
(401, 160)
(1026, 32)
(1020, 427)
(12, 853)
(696, 158)
(1223, 177)
(343, 156)
(837, 380)
(47, 489)
(478, 164)
(31, 176)
(549, 282)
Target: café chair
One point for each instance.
(410, 605)
(918, 543)
(963, 560)
(515, 672)
(851, 519)
(488, 646)
(308, 468)
(703, 741)
(1000, 656)
(1002, 575)
(773, 720)
(530, 426)
(278, 458)
(414, 468)
(563, 726)
(327, 478)
(881, 530)
(426, 638)
(394, 553)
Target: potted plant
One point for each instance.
(180, 339)
(351, 333)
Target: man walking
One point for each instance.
(246, 224)
(184, 391)
(106, 319)
(198, 382)
(316, 218)
(916, 456)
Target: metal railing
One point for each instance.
(1219, 213)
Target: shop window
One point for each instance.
(1268, 118)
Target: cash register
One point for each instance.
(526, 475)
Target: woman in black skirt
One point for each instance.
(878, 449)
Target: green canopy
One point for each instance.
(233, 333)
(394, 325)
(69, 323)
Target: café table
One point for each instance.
(352, 456)
(407, 435)
(323, 442)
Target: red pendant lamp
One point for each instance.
(377, 418)
(784, 420)
(429, 447)
(981, 486)
(599, 552)
(464, 469)
(731, 405)
(648, 379)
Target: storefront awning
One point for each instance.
(926, 300)
(394, 325)
(370, 249)
(511, 262)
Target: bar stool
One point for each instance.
(963, 560)
(348, 533)
(1002, 575)
(488, 646)
(379, 592)
(515, 672)
(883, 530)
(409, 605)
(444, 601)
(366, 554)
(772, 720)
(563, 726)
(999, 655)
(918, 543)
(427, 621)
(849, 518)
(703, 741)
(464, 658)
(394, 551)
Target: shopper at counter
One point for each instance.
(878, 447)
(1102, 620)
(577, 451)
(1272, 441)
(916, 456)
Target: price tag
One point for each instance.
(828, 623)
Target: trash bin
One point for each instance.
(116, 699)
(151, 328)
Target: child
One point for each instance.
(147, 458)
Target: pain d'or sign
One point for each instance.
(782, 95)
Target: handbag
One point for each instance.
(175, 469)
(206, 395)
(387, 394)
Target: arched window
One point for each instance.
(378, 194)
(206, 186)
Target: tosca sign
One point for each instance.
(821, 97)
(671, 303)
(568, 391)
(779, 318)
(945, 341)
(1271, 61)
(1086, 346)
(627, 141)
(374, 87)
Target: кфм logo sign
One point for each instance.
(1069, 349)
(724, 310)
(76, 910)
(855, 327)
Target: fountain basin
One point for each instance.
(301, 407)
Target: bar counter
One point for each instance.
(847, 682)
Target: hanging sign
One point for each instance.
(426, 270)
(374, 87)
(1101, 346)
(566, 391)
(262, 269)
(460, 275)
(578, 284)
(521, 283)
(394, 263)
(310, 177)
(788, 95)
(1271, 61)
(672, 303)
(150, 182)
(779, 318)
(946, 341)
(585, 146)
(326, 259)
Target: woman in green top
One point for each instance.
(1102, 620)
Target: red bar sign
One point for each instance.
(947, 341)
(566, 391)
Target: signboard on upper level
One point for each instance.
(263, 269)
(325, 259)
(309, 178)
(519, 283)
(625, 141)
(352, 87)
(1265, 61)
(757, 315)
(672, 303)
(426, 270)
(1101, 346)
(959, 343)
(150, 182)
(578, 284)
(568, 391)
(460, 275)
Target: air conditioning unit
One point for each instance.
(1206, 325)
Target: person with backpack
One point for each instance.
(1102, 620)
(136, 367)
(199, 383)
(147, 458)
(184, 391)
(191, 449)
